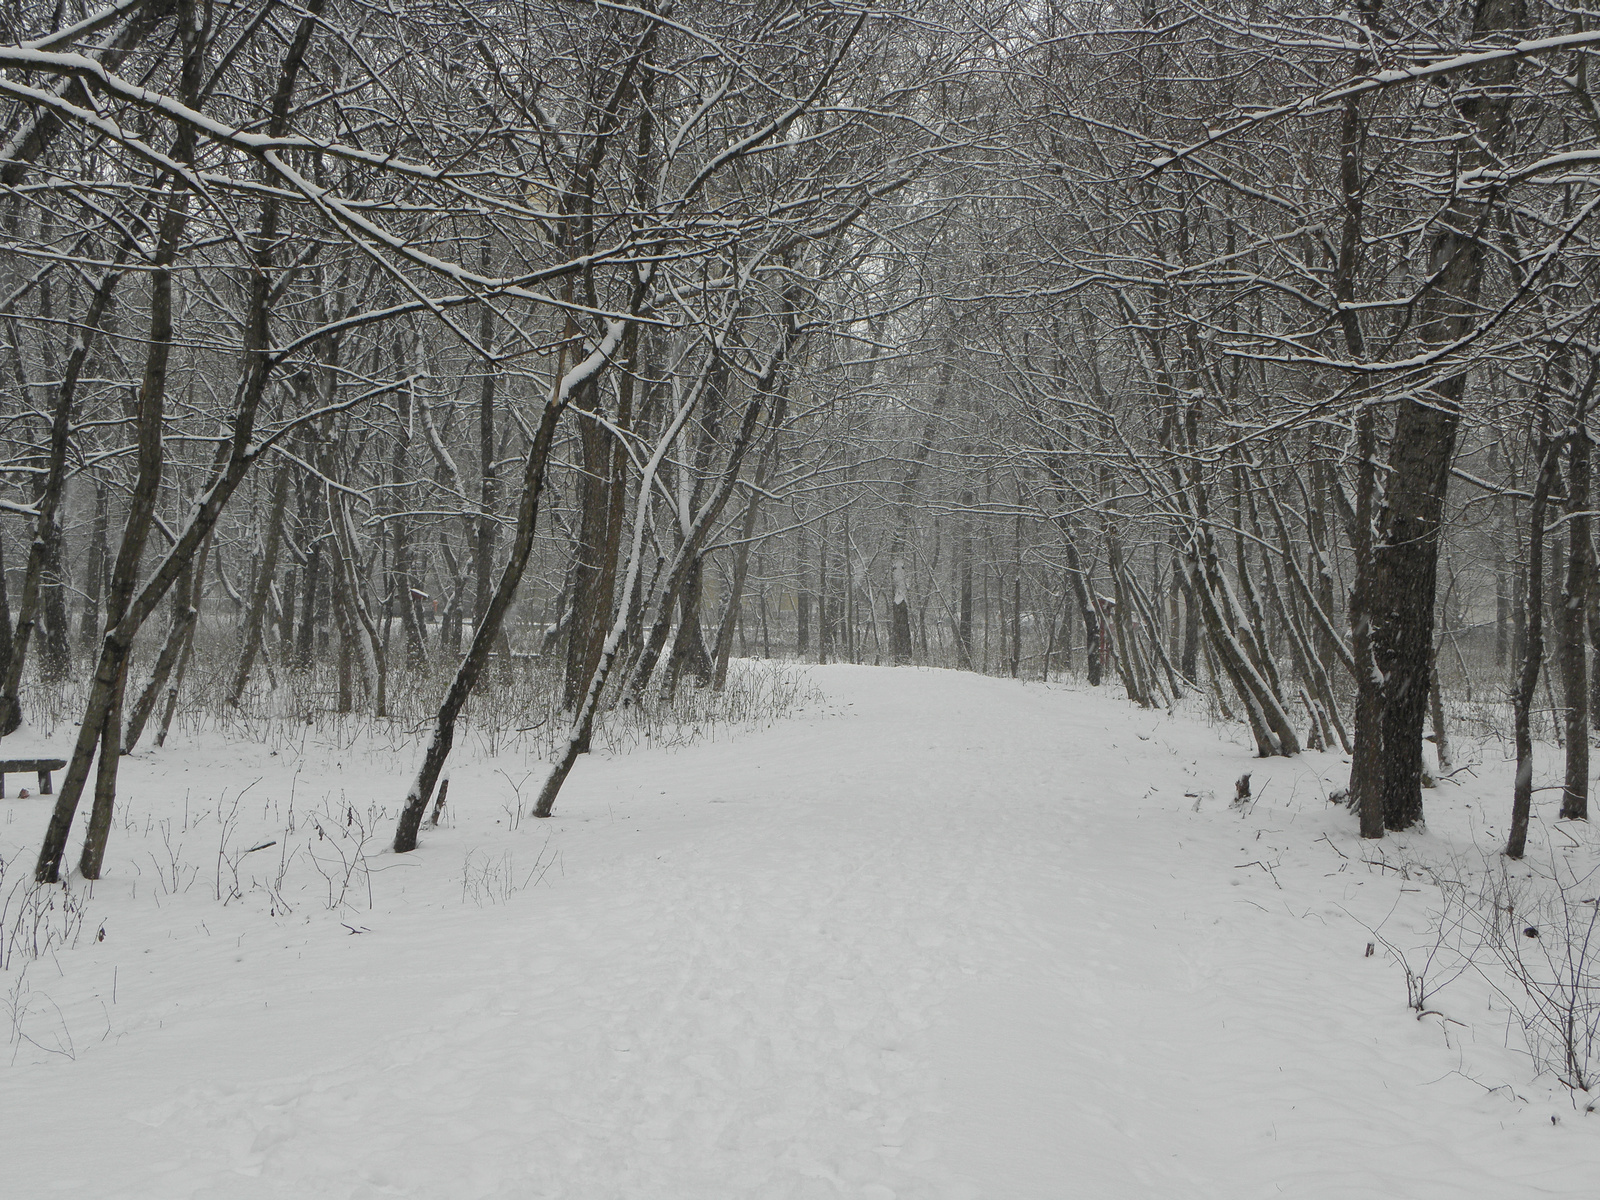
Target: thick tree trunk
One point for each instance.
(601, 492)
(55, 657)
(689, 652)
(1424, 439)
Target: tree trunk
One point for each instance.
(240, 450)
(687, 555)
(601, 493)
(1441, 732)
(47, 500)
(1424, 439)
(1574, 611)
(741, 553)
(487, 630)
(488, 478)
(403, 585)
(1533, 647)
(256, 614)
(94, 575)
(802, 595)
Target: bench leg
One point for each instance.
(44, 783)
(2, 787)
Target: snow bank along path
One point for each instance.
(957, 937)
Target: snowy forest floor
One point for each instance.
(939, 935)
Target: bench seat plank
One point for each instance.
(43, 766)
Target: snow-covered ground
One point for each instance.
(941, 936)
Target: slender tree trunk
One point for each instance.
(963, 565)
(802, 595)
(1574, 610)
(488, 478)
(312, 524)
(141, 512)
(240, 450)
(47, 500)
(1367, 760)
(5, 616)
(688, 553)
(1533, 647)
(403, 584)
(741, 553)
(824, 617)
(175, 680)
(1441, 732)
(487, 630)
(256, 613)
(94, 575)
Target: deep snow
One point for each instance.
(943, 936)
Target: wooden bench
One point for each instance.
(43, 766)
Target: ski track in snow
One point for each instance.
(959, 938)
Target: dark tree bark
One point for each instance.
(963, 566)
(175, 680)
(900, 648)
(488, 478)
(601, 494)
(5, 617)
(741, 555)
(101, 717)
(802, 593)
(94, 576)
(47, 499)
(403, 584)
(1083, 589)
(824, 617)
(312, 525)
(688, 553)
(174, 650)
(1424, 439)
(1574, 612)
(487, 630)
(1533, 646)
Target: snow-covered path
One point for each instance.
(967, 938)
